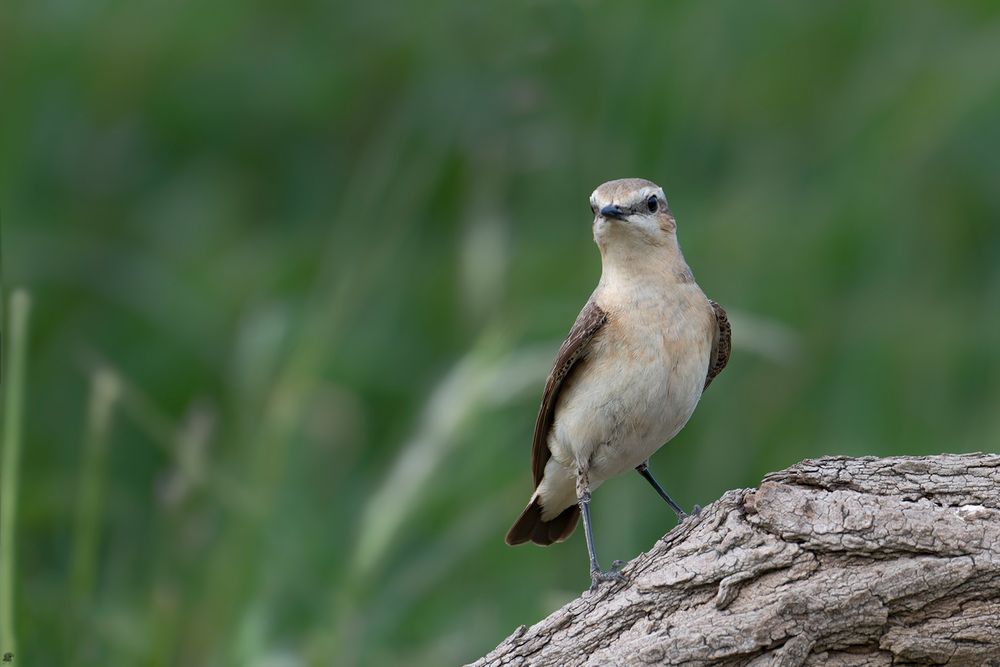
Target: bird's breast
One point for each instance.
(637, 387)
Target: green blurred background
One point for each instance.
(298, 271)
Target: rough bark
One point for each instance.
(837, 561)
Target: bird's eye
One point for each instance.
(652, 204)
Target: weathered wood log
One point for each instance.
(836, 561)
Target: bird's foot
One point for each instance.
(614, 574)
(682, 516)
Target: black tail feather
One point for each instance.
(530, 527)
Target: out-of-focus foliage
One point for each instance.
(298, 271)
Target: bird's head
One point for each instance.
(632, 214)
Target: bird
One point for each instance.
(630, 373)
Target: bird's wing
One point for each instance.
(719, 357)
(575, 347)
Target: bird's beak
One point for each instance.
(612, 211)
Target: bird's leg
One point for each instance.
(643, 469)
(583, 498)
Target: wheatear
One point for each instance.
(631, 371)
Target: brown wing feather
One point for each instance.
(721, 344)
(588, 322)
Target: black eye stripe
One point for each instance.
(650, 204)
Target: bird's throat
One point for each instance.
(623, 265)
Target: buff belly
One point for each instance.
(619, 412)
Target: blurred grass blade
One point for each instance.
(481, 378)
(448, 407)
(105, 390)
(17, 348)
(767, 337)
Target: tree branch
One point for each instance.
(836, 561)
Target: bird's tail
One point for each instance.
(530, 527)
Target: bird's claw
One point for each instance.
(683, 516)
(613, 575)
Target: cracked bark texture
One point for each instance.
(836, 561)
